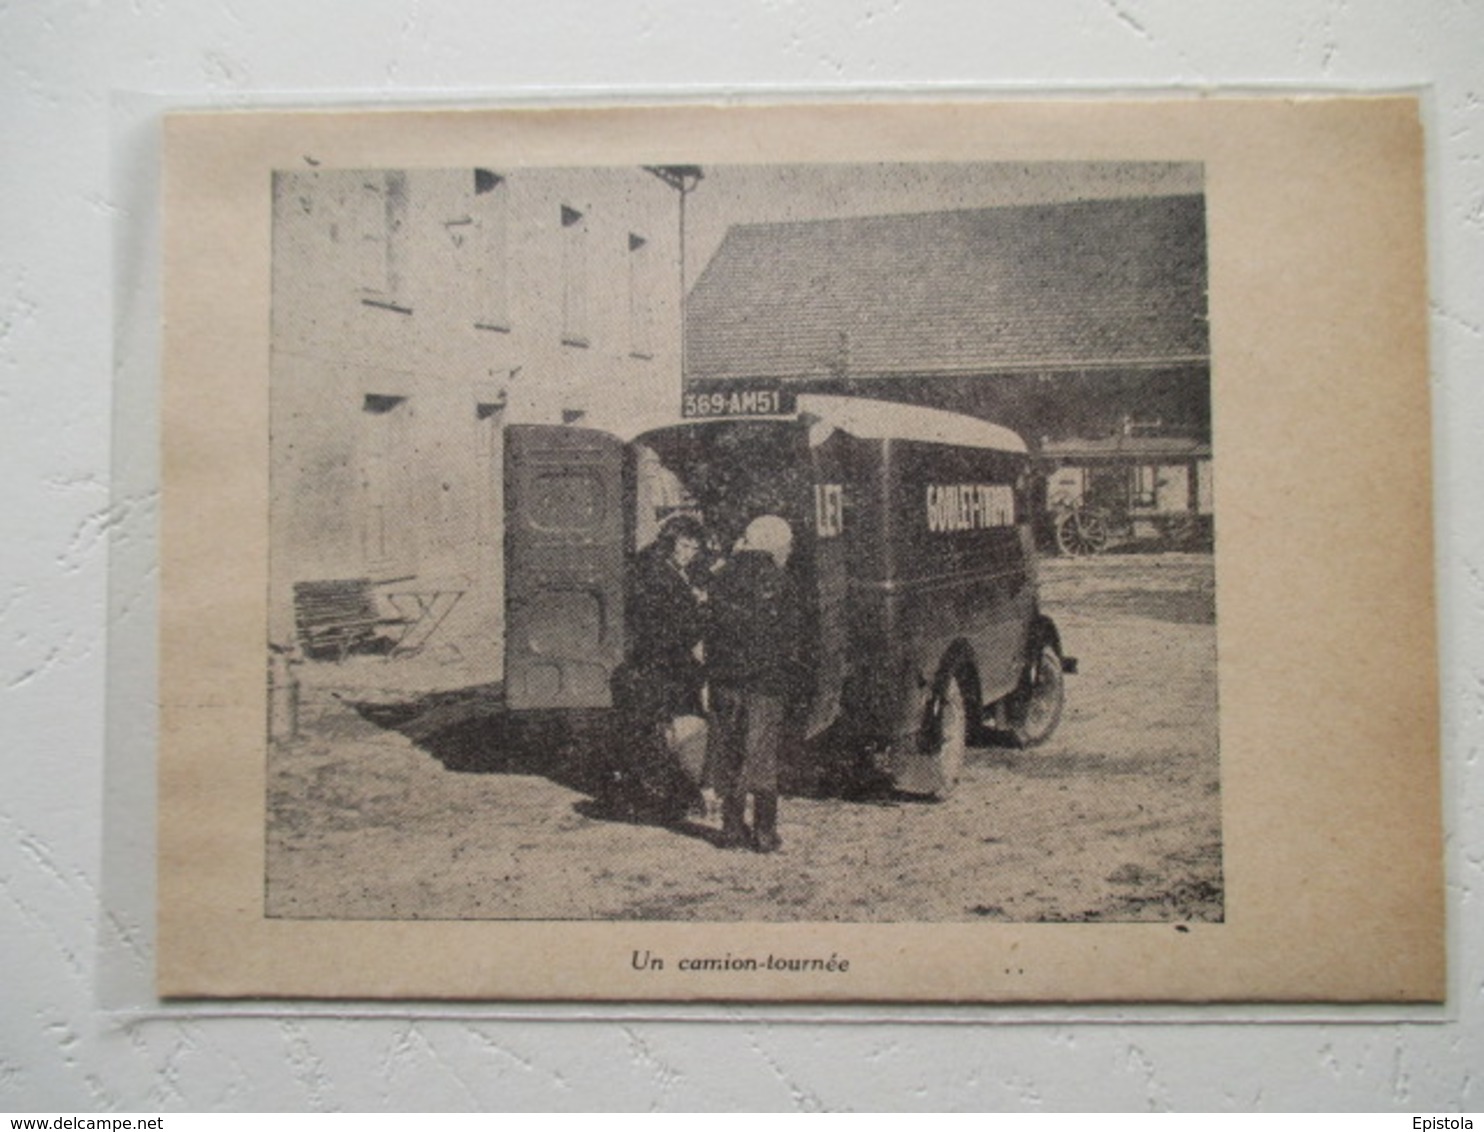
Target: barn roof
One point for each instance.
(1075, 285)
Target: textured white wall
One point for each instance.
(60, 62)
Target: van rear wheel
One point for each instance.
(950, 731)
(1034, 709)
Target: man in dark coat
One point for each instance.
(752, 647)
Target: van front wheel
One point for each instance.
(949, 730)
(1034, 709)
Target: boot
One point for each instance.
(765, 837)
(734, 834)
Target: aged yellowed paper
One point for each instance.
(959, 552)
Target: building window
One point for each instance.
(385, 467)
(378, 214)
(641, 297)
(1145, 486)
(491, 220)
(574, 278)
(465, 250)
(489, 479)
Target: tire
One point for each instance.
(1034, 709)
(947, 729)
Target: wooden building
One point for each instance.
(1061, 321)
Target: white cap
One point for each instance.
(771, 534)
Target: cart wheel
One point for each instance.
(1094, 532)
(1081, 532)
(1180, 531)
(1034, 709)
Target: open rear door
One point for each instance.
(564, 566)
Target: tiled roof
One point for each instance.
(1086, 284)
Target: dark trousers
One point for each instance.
(745, 739)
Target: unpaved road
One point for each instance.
(436, 806)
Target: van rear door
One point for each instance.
(564, 566)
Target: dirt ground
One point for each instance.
(409, 793)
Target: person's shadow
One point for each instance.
(472, 731)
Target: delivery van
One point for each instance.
(912, 546)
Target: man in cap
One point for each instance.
(752, 650)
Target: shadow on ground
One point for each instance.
(471, 731)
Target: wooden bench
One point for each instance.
(339, 616)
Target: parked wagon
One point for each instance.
(1124, 489)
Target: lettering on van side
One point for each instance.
(829, 509)
(969, 506)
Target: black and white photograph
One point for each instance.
(716, 542)
(800, 557)
(846, 554)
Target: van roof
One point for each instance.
(863, 417)
(889, 420)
